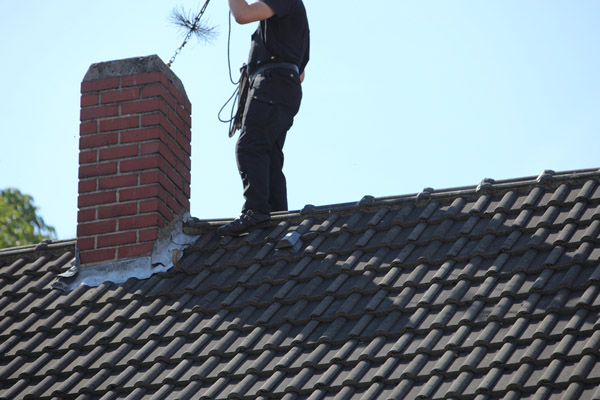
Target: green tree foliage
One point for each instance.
(19, 223)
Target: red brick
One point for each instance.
(93, 170)
(120, 181)
(96, 228)
(158, 119)
(88, 100)
(117, 239)
(87, 215)
(143, 106)
(166, 183)
(90, 113)
(86, 243)
(117, 210)
(148, 235)
(118, 124)
(150, 177)
(88, 128)
(86, 186)
(183, 200)
(135, 250)
(160, 91)
(140, 164)
(119, 152)
(97, 198)
(184, 115)
(156, 206)
(139, 193)
(173, 204)
(188, 134)
(121, 95)
(175, 177)
(150, 148)
(176, 120)
(88, 156)
(181, 126)
(154, 91)
(143, 135)
(97, 256)
(184, 143)
(100, 84)
(144, 79)
(160, 148)
(147, 206)
(181, 98)
(177, 150)
(166, 212)
(140, 221)
(183, 171)
(99, 140)
(187, 161)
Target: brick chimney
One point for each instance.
(134, 160)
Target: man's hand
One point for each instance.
(245, 13)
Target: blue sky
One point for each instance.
(399, 95)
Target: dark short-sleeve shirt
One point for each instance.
(285, 37)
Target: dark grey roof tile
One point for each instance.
(567, 371)
(10, 269)
(592, 212)
(108, 379)
(477, 286)
(590, 189)
(345, 222)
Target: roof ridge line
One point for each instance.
(427, 194)
(45, 245)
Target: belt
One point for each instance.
(269, 66)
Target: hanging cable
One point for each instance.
(229, 51)
(238, 94)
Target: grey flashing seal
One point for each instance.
(290, 241)
(167, 251)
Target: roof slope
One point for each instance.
(483, 292)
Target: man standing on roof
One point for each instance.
(278, 55)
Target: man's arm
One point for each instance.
(245, 13)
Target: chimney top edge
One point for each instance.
(132, 66)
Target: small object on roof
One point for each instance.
(545, 176)
(368, 199)
(291, 240)
(425, 193)
(485, 184)
(43, 244)
(308, 209)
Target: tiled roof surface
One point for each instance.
(471, 293)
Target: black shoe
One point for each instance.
(247, 221)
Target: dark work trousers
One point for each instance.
(273, 101)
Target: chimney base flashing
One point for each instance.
(161, 260)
